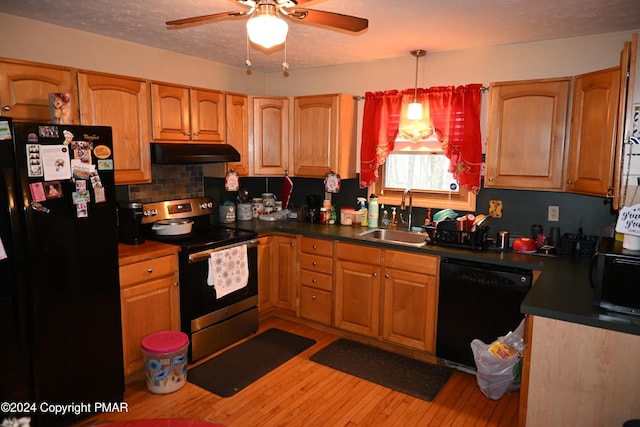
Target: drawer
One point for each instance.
(316, 246)
(407, 261)
(315, 305)
(358, 253)
(148, 270)
(316, 263)
(316, 280)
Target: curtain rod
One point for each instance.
(360, 97)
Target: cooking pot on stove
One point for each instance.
(172, 227)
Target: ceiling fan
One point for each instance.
(271, 9)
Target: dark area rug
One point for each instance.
(231, 371)
(410, 376)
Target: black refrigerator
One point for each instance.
(60, 319)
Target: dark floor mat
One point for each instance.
(231, 371)
(410, 376)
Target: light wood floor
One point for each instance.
(304, 393)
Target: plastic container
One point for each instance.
(165, 361)
(346, 215)
(374, 211)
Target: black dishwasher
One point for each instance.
(476, 300)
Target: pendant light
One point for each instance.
(265, 27)
(414, 110)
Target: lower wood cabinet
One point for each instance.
(316, 279)
(284, 273)
(357, 288)
(410, 299)
(265, 260)
(150, 302)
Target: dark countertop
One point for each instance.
(562, 291)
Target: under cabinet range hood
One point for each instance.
(176, 153)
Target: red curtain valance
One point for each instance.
(452, 112)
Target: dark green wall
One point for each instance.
(521, 208)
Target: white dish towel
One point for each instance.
(228, 270)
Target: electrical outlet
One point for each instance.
(554, 213)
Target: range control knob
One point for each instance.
(151, 212)
(206, 205)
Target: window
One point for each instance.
(423, 168)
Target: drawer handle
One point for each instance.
(150, 270)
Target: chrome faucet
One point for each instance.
(403, 208)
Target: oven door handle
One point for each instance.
(204, 255)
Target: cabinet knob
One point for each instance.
(293, 244)
(313, 297)
(314, 263)
(490, 179)
(176, 284)
(196, 134)
(187, 133)
(6, 108)
(569, 181)
(375, 274)
(313, 280)
(315, 247)
(386, 276)
(150, 270)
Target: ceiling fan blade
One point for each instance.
(331, 19)
(196, 20)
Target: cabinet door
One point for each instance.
(25, 88)
(357, 297)
(170, 106)
(238, 131)
(270, 136)
(123, 104)
(315, 305)
(285, 272)
(324, 136)
(409, 316)
(593, 133)
(207, 116)
(264, 273)
(147, 308)
(410, 293)
(526, 134)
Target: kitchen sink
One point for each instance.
(410, 238)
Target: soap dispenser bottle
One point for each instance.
(373, 211)
(364, 216)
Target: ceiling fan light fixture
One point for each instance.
(266, 28)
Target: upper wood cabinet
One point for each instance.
(25, 88)
(324, 136)
(269, 132)
(187, 114)
(526, 134)
(123, 104)
(238, 131)
(590, 168)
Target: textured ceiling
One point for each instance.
(395, 26)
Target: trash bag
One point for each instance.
(499, 364)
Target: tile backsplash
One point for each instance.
(169, 182)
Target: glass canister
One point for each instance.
(257, 207)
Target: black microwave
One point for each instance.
(616, 277)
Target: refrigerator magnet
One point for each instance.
(34, 161)
(53, 189)
(105, 164)
(37, 192)
(102, 152)
(81, 210)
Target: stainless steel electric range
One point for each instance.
(211, 321)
